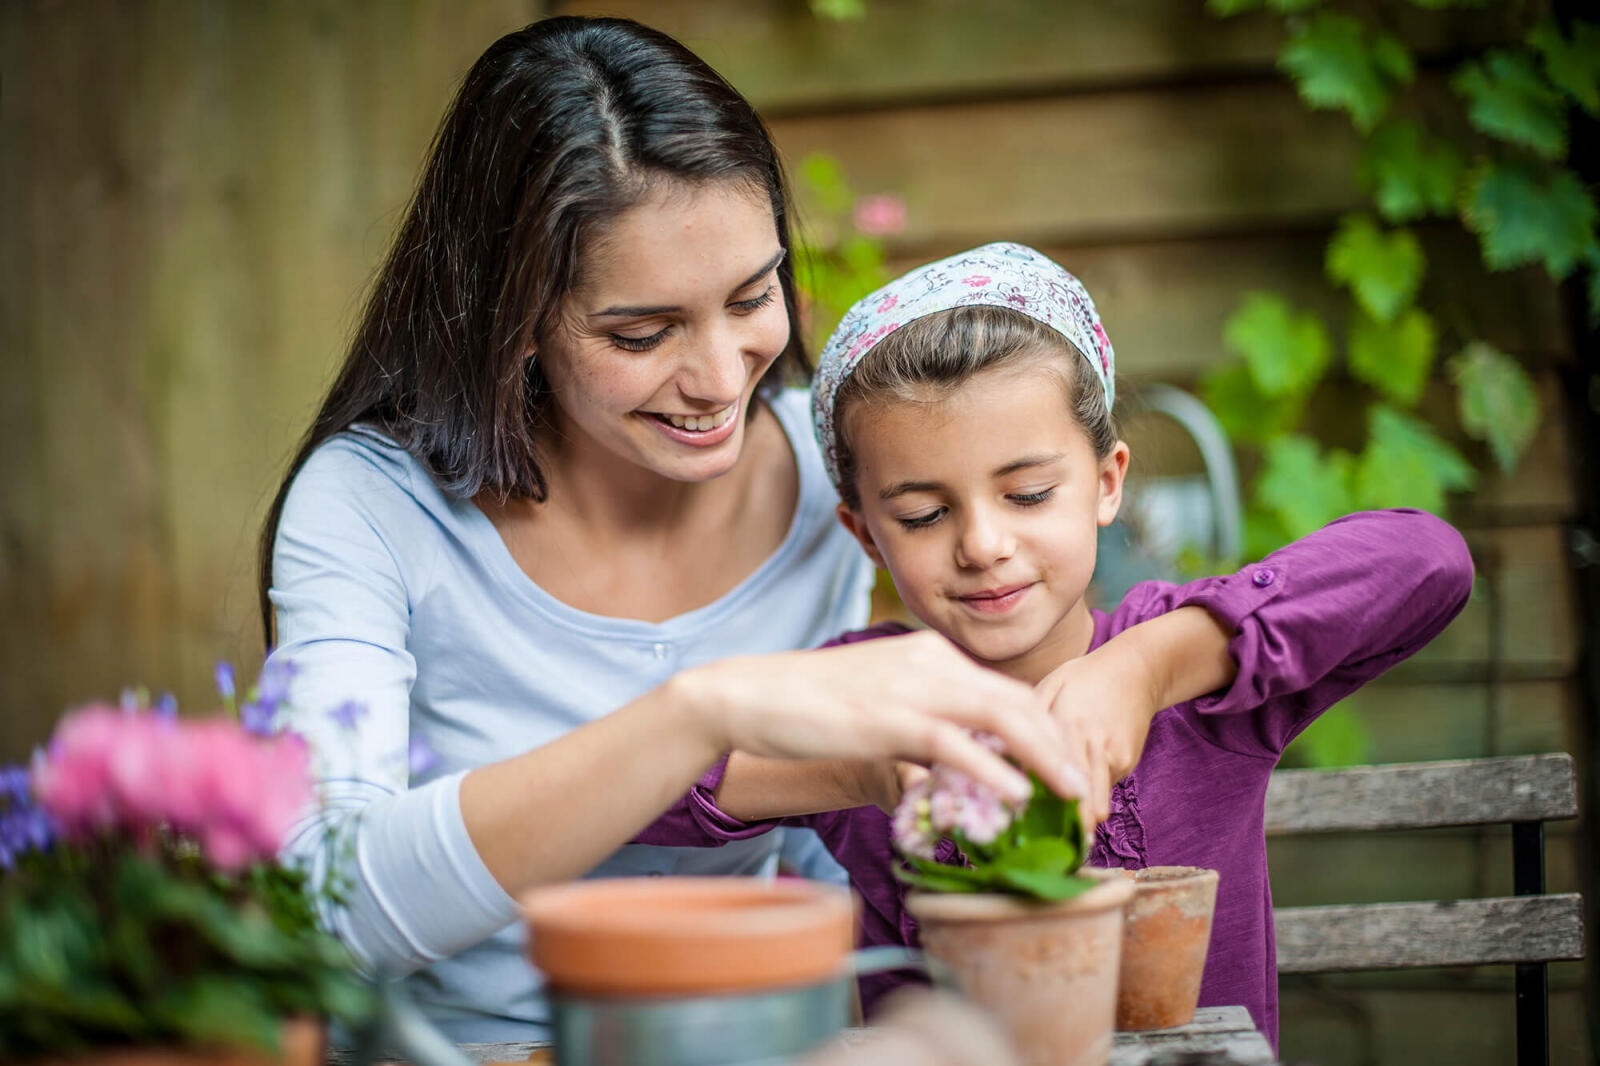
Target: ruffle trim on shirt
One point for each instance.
(1119, 840)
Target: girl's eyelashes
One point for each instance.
(644, 344)
(921, 521)
(1032, 499)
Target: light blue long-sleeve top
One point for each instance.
(390, 593)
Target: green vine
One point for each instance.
(1505, 182)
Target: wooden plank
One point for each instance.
(785, 59)
(1517, 788)
(1386, 936)
(1317, 869)
(1113, 167)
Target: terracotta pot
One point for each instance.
(1047, 971)
(1165, 935)
(301, 1044)
(683, 936)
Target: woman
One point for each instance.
(544, 554)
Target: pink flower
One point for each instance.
(948, 800)
(72, 779)
(879, 216)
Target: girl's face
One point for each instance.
(983, 502)
(677, 317)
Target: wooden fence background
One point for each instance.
(196, 193)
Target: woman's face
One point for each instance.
(676, 317)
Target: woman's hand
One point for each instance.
(1104, 701)
(914, 698)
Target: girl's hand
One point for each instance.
(1104, 701)
(913, 698)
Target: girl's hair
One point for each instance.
(557, 129)
(947, 348)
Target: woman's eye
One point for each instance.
(921, 521)
(757, 303)
(1031, 499)
(640, 344)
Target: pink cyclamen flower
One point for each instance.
(880, 216)
(72, 777)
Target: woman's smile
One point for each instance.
(699, 431)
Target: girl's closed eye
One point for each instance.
(1031, 499)
(921, 520)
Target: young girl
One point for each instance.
(964, 412)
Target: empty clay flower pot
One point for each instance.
(1047, 971)
(1166, 932)
(692, 971)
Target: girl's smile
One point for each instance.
(984, 503)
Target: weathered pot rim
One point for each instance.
(1113, 891)
(1170, 876)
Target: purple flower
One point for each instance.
(257, 717)
(348, 713)
(420, 758)
(224, 676)
(15, 784)
(167, 706)
(272, 687)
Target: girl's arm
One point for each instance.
(1282, 640)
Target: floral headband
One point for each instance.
(995, 275)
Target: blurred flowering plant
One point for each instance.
(142, 900)
(1033, 852)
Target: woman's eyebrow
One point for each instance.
(644, 312)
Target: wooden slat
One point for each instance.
(1518, 788)
(784, 58)
(1387, 936)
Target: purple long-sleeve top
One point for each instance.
(1311, 623)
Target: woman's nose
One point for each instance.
(715, 371)
(985, 540)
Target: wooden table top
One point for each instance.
(1218, 1036)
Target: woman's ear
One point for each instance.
(1113, 472)
(857, 526)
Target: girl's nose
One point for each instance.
(985, 540)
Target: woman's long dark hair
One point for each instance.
(556, 129)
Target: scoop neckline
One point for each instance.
(493, 550)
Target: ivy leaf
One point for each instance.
(1498, 401)
(1394, 357)
(1405, 464)
(1507, 98)
(1338, 64)
(1302, 487)
(1383, 270)
(1286, 352)
(1245, 413)
(1523, 213)
(1573, 65)
(1409, 176)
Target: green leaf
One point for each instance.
(932, 877)
(1228, 8)
(1046, 885)
(1339, 737)
(1337, 63)
(1245, 413)
(1524, 214)
(1383, 270)
(839, 10)
(823, 178)
(1508, 99)
(1264, 532)
(1040, 855)
(1394, 357)
(1405, 464)
(1408, 175)
(1285, 351)
(1498, 401)
(1591, 262)
(1304, 488)
(1574, 64)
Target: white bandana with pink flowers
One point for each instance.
(996, 275)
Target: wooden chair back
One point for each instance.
(1528, 929)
